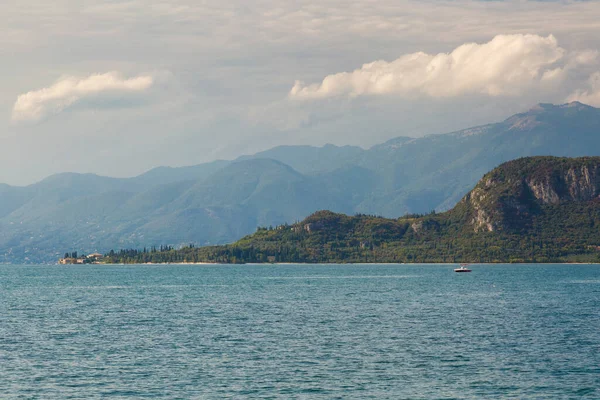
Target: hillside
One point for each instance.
(534, 209)
(222, 201)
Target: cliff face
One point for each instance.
(577, 183)
(509, 195)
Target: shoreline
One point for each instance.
(349, 264)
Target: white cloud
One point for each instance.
(590, 96)
(68, 91)
(506, 65)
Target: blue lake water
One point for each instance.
(299, 331)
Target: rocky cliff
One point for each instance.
(509, 195)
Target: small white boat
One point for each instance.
(462, 268)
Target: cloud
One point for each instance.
(228, 58)
(67, 91)
(589, 96)
(506, 65)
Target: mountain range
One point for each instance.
(221, 201)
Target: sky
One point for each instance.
(119, 87)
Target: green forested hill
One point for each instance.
(535, 209)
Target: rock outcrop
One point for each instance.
(507, 196)
(580, 183)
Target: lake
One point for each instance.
(299, 331)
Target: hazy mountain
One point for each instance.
(162, 175)
(310, 159)
(221, 201)
(229, 204)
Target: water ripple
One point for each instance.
(310, 331)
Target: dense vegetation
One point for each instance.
(524, 226)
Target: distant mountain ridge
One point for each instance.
(533, 209)
(221, 201)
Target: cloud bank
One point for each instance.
(506, 65)
(590, 96)
(67, 91)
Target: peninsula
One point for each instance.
(533, 209)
